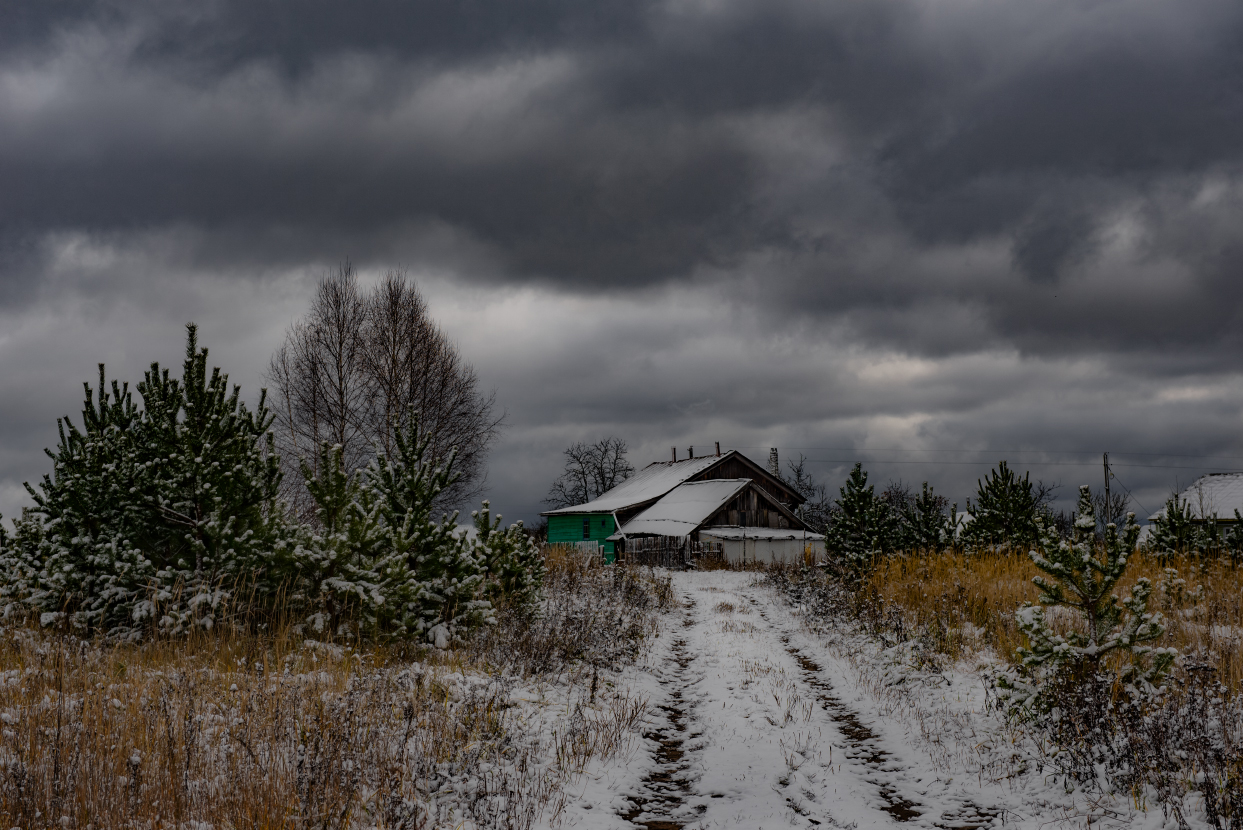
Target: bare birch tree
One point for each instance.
(358, 364)
(590, 470)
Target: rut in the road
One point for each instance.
(863, 742)
(864, 745)
(665, 789)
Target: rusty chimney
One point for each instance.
(675, 453)
(690, 452)
(718, 449)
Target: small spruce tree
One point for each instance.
(1005, 511)
(211, 475)
(1081, 575)
(862, 528)
(924, 522)
(76, 554)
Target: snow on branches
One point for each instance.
(1080, 575)
(165, 517)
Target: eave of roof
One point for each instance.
(685, 508)
(647, 485)
(733, 532)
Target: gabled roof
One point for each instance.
(660, 477)
(1217, 494)
(685, 508)
(649, 484)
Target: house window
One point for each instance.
(742, 518)
(586, 528)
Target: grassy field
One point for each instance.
(966, 601)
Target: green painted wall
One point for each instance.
(569, 528)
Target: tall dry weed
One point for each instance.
(233, 729)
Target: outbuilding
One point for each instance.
(1217, 497)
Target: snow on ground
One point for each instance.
(758, 721)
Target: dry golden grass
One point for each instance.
(965, 601)
(235, 730)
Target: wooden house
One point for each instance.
(678, 499)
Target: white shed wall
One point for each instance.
(767, 551)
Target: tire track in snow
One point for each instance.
(863, 746)
(662, 801)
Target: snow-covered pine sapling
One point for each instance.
(212, 481)
(1181, 529)
(1005, 510)
(343, 574)
(152, 515)
(513, 560)
(1081, 575)
(445, 577)
(75, 557)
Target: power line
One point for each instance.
(1003, 452)
(1147, 512)
(1033, 463)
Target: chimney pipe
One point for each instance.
(718, 449)
(675, 453)
(690, 452)
(774, 466)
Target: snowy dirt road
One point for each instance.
(756, 724)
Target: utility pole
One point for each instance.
(1108, 503)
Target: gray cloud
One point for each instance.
(940, 228)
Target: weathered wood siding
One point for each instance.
(753, 508)
(737, 466)
(582, 527)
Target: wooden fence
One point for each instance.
(669, 551)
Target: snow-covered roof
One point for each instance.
(684, 509)
(652, 482)
(1217, 494)
(764, 533)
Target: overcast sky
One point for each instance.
(922, 234)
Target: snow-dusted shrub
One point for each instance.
(1180, 530)
(1081, 575)
(588, 613)
(1190, 741)
(512, 559)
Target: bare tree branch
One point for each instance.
(356, 365)
(590, 470)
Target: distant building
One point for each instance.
(1217, 495)
(721, 497)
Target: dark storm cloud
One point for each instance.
(964, 123)
(954, 224)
